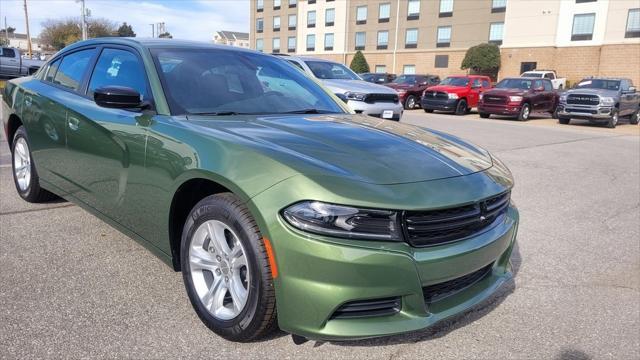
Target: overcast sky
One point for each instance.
(184, 19)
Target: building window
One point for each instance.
(584, 1)
(311, 42)
(498, 6)
(633, 24)
(495, 33)
(329, 17)
(311, 1)
(328, 42)
(293, 3)
(276, 45)
(583, 27)
(311, 19)
(259, 5)
(361, 15)
(444, 36)
(411, 39)
(413, 10)
(293, 21)
(442, 61)
(259, 25)
(276, 4)
(446, 8)
(291, 44)
(409, 69)
(528, 66)
(361, 37)
(276, 23)
(381, 69)
(384, 12)
(259, 44)
(383, 40)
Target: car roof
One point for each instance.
(155, 43)
(605, 78)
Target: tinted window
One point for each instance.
(405, 79)
(549, 76)
(524, 84)
(121, 68)
(485, 83)
(328, 70)
(10, 53)
(72, 68)
(223, 82)
(547, 85)
(51, 72)
(476, 82)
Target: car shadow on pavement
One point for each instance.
(448, 325)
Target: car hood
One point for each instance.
(448, 88)
(338, 86)
(401, 86)
(358, 147)
(602, 92)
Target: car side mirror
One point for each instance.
(342, 97)
(117, 97)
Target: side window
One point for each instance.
(547, 85)
(8, 53)
(121, 68)
(476, 83)
(51, 71)
(537, 84)
(549, 76)
(624, 85)
(72, 68)
(486, 83)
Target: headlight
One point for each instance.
(344, 221)
(355, 96)
(607, 101)
(563, 98)
(453, 96)
(515, 98)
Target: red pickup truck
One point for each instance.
(519, 97)
(457, 94)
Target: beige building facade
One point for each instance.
(577, 38)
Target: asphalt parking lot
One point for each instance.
(73, 287)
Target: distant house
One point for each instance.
(232, 38)
(17, 40)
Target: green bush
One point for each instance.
(359, 63)
(482, 59)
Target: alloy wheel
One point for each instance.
(525, 113)
(411, 102)
(219, 269)
(22, 164)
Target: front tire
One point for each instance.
(25, 176)
(410, 103)
(564, 120)
(484, 115)
(525, 112)
(635, 118)
(428, 111)
(226, 270)
(613, 120)
(461, 107)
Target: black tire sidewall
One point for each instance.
(212, 208)
(459, 105)
(406, 102)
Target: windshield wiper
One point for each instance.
(307, 111)
(220, 113)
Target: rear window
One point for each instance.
(72, 68)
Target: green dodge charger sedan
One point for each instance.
(279, 205)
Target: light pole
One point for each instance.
(83, 19)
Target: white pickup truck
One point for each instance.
(558, 83)
(13, 65)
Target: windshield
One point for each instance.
(405, 79)
(515, 84)
(329, 70)
(599, 84)
(455, 81)
(223, 82)
(531, 74)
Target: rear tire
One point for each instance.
(613, 120)
(226, 269)
(410, 103)
(461, 107)
(25, 176)
(525, 112)
(564, 120)
(428, 111)
(635, 118)
(484, 115)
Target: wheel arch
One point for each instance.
(13, 124)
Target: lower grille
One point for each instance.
(435, 227)
(583, 99)
(436, 292)
(373, 98)
(435, 95)
(368, 308)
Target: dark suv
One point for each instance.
(518, 97)
(600, 100)
(410, 88)
(378, 78)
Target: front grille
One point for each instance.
(368, 308)
(374, 98)
(433, 293)
(429, 94)
(585, 99)
(494, 99)
(435, 227)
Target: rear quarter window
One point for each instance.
(72, 69)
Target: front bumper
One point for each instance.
(511, 110)
(439, 104)
(317, 275)
(585, 112)
(377, 109)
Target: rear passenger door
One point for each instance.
(549, 96)
(627, 98)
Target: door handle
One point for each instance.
(74, 123)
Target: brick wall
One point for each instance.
(424, 61)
